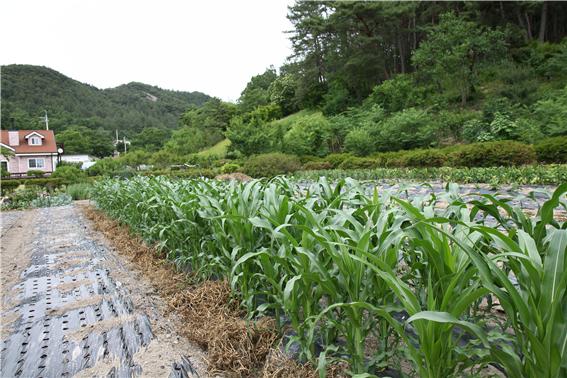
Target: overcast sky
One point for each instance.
(208, 46)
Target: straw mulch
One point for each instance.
(211, 318)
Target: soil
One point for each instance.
(72, 306)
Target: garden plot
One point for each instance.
(382, 280)
(71, 308)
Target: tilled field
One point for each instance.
(71, 307)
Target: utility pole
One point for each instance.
(46, 120)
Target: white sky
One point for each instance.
(208, 46)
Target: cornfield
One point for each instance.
(437, 286)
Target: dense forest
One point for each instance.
(369, 77)
(85, 117)
(364, 78)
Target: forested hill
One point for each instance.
(29, 90)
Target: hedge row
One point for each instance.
(487, 154)
(48, 183)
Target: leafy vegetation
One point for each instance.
(371, 279)
(524, 175)
(455, 83)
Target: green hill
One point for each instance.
(29, 90)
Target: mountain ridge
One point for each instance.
(28, 90)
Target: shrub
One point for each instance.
(317, 165)
(552, 150)
(35, 173)
(358, 163)
(424, 158)
(47, 183)
(268, 165)
(308, 136)
(80, 191)
(491, 154)
(336, 159)
(70, 174)
(229, 168)
(359, 142)
(106, 167)
(406, 130)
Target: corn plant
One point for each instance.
(342, 266)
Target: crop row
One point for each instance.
(522, 175)
(371, 279)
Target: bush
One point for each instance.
(405, 130)
(309, 135)
(336, 159)
(35, 173)
(269, 165)
(552, 150)
(70, 174)
(81, 191)
(47, 183)
(491, 154)
(358, 163)
(424, 158)
(317, 165)
(359, 142)
(229, 168)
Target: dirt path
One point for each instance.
(71, 306)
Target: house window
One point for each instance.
(36, 163)
(35, 141)
(4, 166)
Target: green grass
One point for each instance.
(218, 150)
(288, 121)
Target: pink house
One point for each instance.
(33, 150)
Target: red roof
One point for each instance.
(47, 143)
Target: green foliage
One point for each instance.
(406, 130)
(6, 152)
(552, 150)
(79, 191)
(317, 165)
(337, 99)
(218, 150)
(106, 167)
(358, 163)
(492, 154)
(359, 142)
(150, 139)
(28, 90)
(338, 266)
(211, 119)
(282, 93)
(453, 50)
(188, 140)
(35, 172)
(308, 136)
(336, 159)
(424, 158)
(135, 158)
(84, 140)
(269, 165)
(70, 174)
(250, 133)
(552, 113)
(521, 175)
(59, 199)
(257, 91)
(230, 168)
(397, 94)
